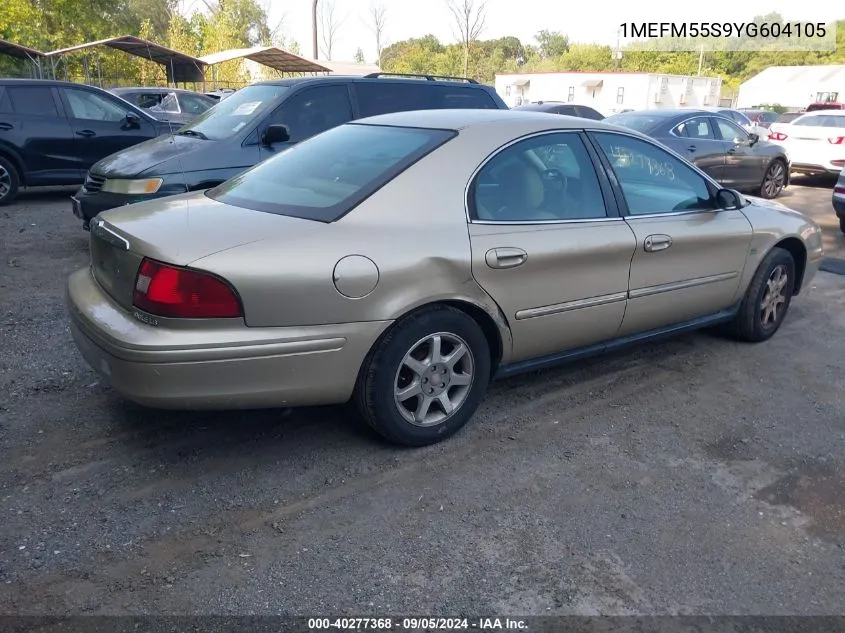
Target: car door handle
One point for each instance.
(87, 133)
(6, 126)
(505, 257)
(691, 148)
(732, 150)
(654, 243)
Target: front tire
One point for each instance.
(767, 299)
(774, 181)
(425, 379)
(9, 181)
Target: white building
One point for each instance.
(793, 86)
(610, 92)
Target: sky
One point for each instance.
(523, 18)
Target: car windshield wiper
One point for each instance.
(193, 133)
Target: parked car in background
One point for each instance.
(167, 104)
(559, 107)
(763, 118)
(51, 132)
(258, 122)
(718, 146)
(814, 141)
(298, 283)
(787, 117)
(839, 199)
(825, 105)
(739, 118)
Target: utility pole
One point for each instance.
(314, 46)
(700, 60)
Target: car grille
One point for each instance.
(93, 183)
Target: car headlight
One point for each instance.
(132, 187)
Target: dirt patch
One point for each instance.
(818, 492)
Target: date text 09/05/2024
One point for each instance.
(723, 29)
(412, 624)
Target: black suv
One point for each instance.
(258, 122)
(51, 132)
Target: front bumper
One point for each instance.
(215, 367)
(89, 204)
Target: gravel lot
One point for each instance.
(697, 476)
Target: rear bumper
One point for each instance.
(839, 207)
(219, 367)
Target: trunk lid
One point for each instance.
(176, 230)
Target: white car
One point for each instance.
(815, 142)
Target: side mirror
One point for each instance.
(133, 119)
(275, 133)
(754, 138)
(729, 199)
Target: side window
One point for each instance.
(570, 95)
(193, 104)
(697, 128)
(730, 131)
(447, 97)
(588, 113)
(375, 97)
(37, 100)
(93, 107)
(545, 178)
(652, 180)
(146, 100)
(314, 110)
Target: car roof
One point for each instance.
(458, 119)
(832, 112)
(47, 82)
(295, 81)
(153, 89)
(668, 113)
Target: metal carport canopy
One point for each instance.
(271, 56)
(180, 67)
(21, 52)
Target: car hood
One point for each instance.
(161, 155)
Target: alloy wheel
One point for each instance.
(775, 179)
(5, 182)
(434, 379)
(774, 297)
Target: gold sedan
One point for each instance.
(405, 260)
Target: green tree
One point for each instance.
(551, 44)
(359, 56)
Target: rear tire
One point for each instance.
(767, 299)
(842, 224)
(425, 378)
(774, 180)
(9, 181)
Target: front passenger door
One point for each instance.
(689, 255)
(100, 126)
(307, 113)
(696, 141)
(743, 167)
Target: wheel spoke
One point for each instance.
(416, 366)
(460, 380)
(409, 392)
(767, 313)
(457, 354)
(436, 349)
(446, 403)
(422, 408)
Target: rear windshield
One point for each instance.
(231, 115)
(823, 120)
(326, 176)
(639, 122)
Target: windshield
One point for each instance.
(639, 122)
(326, 176)
(230, 116)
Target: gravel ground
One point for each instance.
(696, 476)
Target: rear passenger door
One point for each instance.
(307, 113)
(33, 127)
(695, 139)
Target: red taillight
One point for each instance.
(777, 136)
(836, 140)
(839, 190)
(170, 291)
